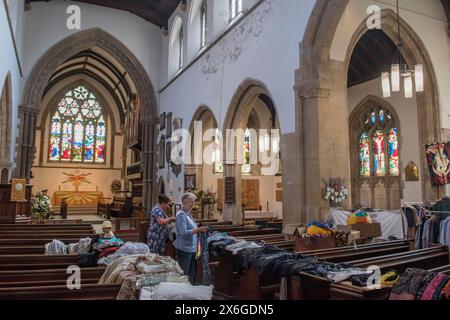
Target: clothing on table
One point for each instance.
(409, 282)
(343, 275)
(186, 260)
(102, 244)
(424, 285)
(108, 235)
(157, 234)
(185, 240)
(108, 251)
(182, 291)
(241, 245)
(204, 259)
(129, 248)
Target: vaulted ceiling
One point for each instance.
(154, 11)
(372, 55)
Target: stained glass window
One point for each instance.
(393, 152)
(378, 153)
(246, 167)
(364, 154)
(378, 150)
(78, 128)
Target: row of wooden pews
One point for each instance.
(27, 274)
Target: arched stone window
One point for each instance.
(78, 128)
(176, 47)
(376, 157)
(203, 23)
(235, 8)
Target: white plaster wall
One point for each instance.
(426, 18)
(265, 46)
(9, 62)
(46, 26)
(407, 112)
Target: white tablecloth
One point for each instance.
(259, 214)
(393, 223)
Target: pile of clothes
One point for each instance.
(57, 247)
(271, 261)
(359, 216)
(319, 230)
(151, 277)
(418, 284)
(105, 247)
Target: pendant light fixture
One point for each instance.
(392, 81)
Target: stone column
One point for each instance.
(322, 88)
(26, 148)
(148, 164)
(233, 211)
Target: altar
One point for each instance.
(78, 201)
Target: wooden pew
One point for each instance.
(307, 287)
(255, 287)
(35, 262)
(47, 277)
(87, 292)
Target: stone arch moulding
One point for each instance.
(5, 122)
(239, 109)
(40, 76)
(428, 106)
(354, 134)
(320, 87)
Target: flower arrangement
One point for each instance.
(206, 197)
(336, 192)
(41, 207)
(116, 185)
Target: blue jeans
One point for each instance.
(186, 260)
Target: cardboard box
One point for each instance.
(368, 230)
(292, 231)
(371, 230)
(309, 244)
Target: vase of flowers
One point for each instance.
(336, 192)
(41, 207)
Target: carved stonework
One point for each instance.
(241, 38)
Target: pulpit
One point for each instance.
(9, 210)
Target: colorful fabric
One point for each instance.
(429, 291)
(438, 156)
(316, 231)
(157, 234)
(359, 216)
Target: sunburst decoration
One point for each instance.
(77, 178)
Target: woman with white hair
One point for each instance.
(186, 237)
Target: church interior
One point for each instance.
(251, 149)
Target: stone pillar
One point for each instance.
(233, 211)
(26, 148)
(148, 164)
(325, 129)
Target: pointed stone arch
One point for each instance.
(322, 102)
(41, 75)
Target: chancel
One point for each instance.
(224, 150)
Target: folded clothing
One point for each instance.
(183, 291)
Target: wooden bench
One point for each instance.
(47, 277)
(122, 207)
(307, 287)
(87, 292)
(255, 287)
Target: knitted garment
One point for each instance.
(425, 283)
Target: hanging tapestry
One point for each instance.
(438, 156)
